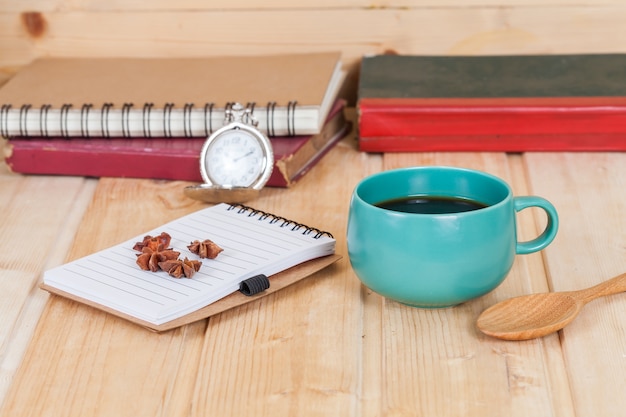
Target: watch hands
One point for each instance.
(243, 156)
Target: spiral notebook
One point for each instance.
(254, 243)
(165, 97)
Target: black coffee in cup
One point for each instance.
(431, 204)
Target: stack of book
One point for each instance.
(148, 118)
(492, 103)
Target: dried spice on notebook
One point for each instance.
(205, 249)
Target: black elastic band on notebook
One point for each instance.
(291, 118)
(65, 109)
(23, 119)
(126, 119)
(167, 120)
(271, 106)
(208, 116)
(147, 110)
(84, 119)
(187, 119)
(274, 219)
(104, 119)
(254, 285)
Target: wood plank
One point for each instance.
(457, 370)
(588, 191)
(115, 362)
(40, 216)
(372, 328)
(81, 356)
(378, 358)
(297, 349)
(446, 30)
(192, 5)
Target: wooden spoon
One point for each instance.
(537, 315)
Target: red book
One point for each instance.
(163, 158)
(492, 103)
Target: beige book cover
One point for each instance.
(290, 94)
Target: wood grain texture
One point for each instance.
(355, 28)
(274, 370)
(82, 337)
(38, 220)
(587, 189)
(201, 32)
(327, 343)
(536, 315)
(457, 368)
(326, 346)
(191, 5)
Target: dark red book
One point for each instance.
(492, 103)
(163, 158)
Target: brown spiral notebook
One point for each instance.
(289, 94)
(255, 244)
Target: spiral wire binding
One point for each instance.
(249, 114)
(208, 115)
(126, 119)
(291, 118)
(187, 119)
(85, 112)
(4, 119)
(43, 119)
(269, 116)
(228, 112)
(84, 119)
(104, 119)
(23, 117)
(167, 120)
(65, 109)
(281, 221)
(147, 110)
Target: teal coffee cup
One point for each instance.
(437, 236)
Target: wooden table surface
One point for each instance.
(325, 346)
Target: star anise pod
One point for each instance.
(178, 268)
(156, 243)
(205, 249)
(149, 259)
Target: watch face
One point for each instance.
(235, 158)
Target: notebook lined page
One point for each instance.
(253, 242)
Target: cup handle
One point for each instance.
(546, 237)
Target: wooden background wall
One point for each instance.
(33, 28)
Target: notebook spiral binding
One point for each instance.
(23, 115)
(81, 119)
(167, 119)
(271, 107)
(281, 221)
(291, 118)
(104, 119)
(147, 110)
(84, 116)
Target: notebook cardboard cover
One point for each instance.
(277, 282)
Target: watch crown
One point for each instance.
(235, 112)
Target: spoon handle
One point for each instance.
(611, 286)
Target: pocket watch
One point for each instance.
(236, 161)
